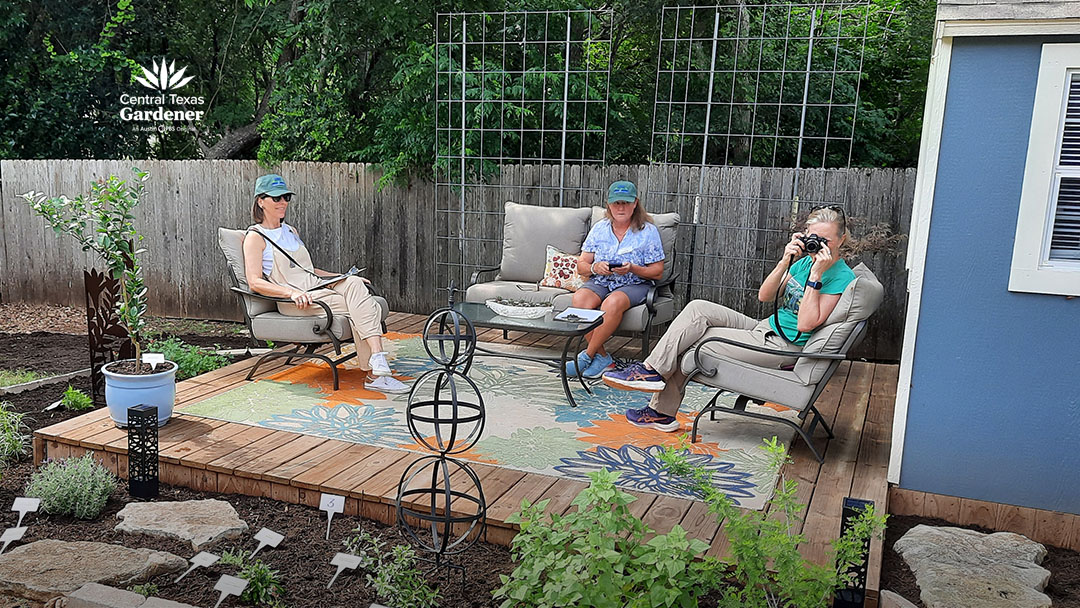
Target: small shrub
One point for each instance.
(145, 589)
(12, 377)
(76, 400)
(190, 360)
(598, 556)
(14, 442)
(394, 575)
(264, 587)
(76, 486)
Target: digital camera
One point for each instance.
(813, 243)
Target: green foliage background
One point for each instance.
(335, 80)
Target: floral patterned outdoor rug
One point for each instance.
(529, 424)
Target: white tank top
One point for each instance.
(286, 239)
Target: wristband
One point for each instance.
(592, 269)
(813, 284)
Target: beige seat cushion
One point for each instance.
(769, 384)
(278, 327)
(482, 292)
(231, 243)
(527, 232)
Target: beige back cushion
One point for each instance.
(527, 232)
(860, 299)
(231, 243)
(666, 223)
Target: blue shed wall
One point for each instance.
(994, 409)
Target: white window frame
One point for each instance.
(1032, 271)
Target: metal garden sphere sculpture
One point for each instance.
(445, 414)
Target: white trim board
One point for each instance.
(925, 181)
(1004, 27)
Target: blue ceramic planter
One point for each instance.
(123, 391)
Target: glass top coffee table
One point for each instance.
(484, 318)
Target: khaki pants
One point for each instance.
(689, 328)
(348, 297)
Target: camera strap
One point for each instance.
(776, 310)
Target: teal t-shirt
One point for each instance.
(835, 279)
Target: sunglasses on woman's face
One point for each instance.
(277, 199)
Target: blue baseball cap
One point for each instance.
(622, 191)
(271, 185)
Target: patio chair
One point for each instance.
(529, 229)
(797, 388)
(265, 323)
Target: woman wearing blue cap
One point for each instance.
(277, 264)
(622, 256)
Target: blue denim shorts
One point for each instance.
(636, 292)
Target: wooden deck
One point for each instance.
(216, 456)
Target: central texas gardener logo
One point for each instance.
(163, 77)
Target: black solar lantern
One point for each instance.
(143, 451)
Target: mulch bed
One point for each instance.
(896, 576)
(53, 353)
(303, 559)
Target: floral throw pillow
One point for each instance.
(561, 270)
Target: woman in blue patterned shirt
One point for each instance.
(622, 256)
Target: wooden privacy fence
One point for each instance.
(413, 241)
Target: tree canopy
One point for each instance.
(335, 80)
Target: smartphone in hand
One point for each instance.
(614, 264)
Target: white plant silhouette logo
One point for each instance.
(163, 77)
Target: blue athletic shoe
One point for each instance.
(635, 377)
(651, 419)
(599, 365)
(583, 362)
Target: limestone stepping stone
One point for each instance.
(200, 522)
(45, 569)
(957, 568)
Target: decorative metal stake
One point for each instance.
(109, 341)
(143, 451)
(855, 595)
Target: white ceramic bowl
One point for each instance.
(518, 312)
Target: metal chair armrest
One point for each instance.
(323, 305)
(650, 298)
(701, 368)
(475, 278)
(372, 289)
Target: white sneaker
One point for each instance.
(387, 384)
(379, 366)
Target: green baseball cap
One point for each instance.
(622, 191)
(271, 185)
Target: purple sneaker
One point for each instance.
(635, 377)
(649, 418)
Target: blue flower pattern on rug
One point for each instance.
(381, 426)
(642, 469)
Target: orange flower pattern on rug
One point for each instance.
(617, 432)
(469, 454)
(318, 377)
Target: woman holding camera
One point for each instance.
(809, 277)
(622, 256)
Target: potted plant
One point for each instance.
(102, 221)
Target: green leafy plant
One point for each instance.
(394, 575)
(598, 556)
(191, 360)
(76, 400)
(76, 486)
(765, 567)
(264, 586)
(145, 589)
(103, 221)
(10, 377)
(14, 437)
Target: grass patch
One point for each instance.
(9, 377)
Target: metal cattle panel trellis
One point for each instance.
(766, 85)
(521, 105)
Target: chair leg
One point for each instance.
(740, 410)
(709, 408)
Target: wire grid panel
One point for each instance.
(521, 106)
(771, 85)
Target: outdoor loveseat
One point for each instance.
(264, 322)
(797, 388)
(528, 230)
